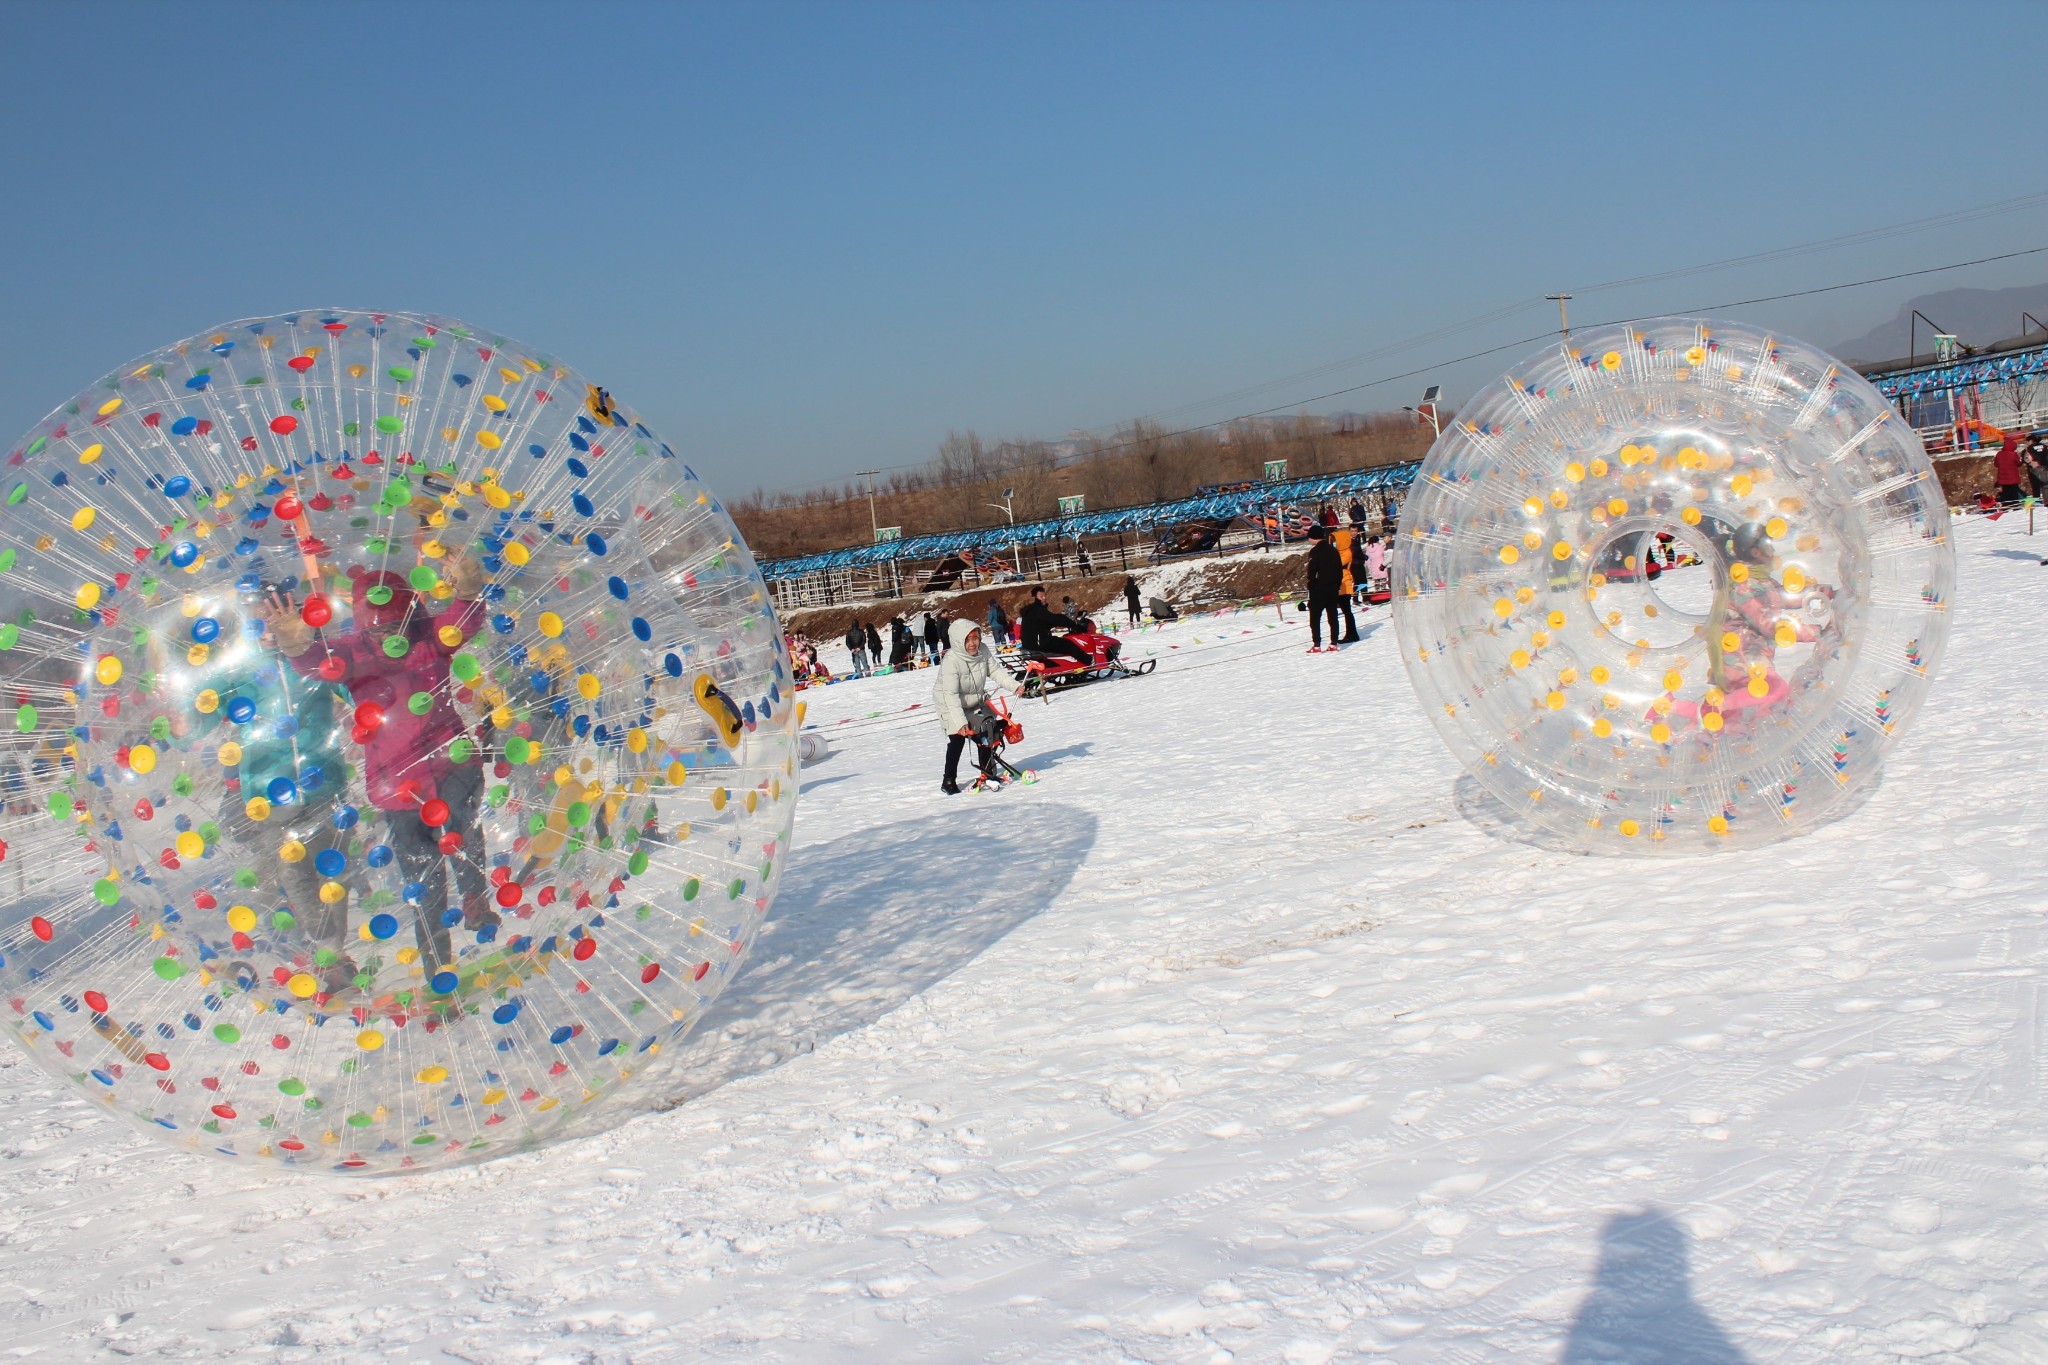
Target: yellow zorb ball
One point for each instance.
(1673, 586)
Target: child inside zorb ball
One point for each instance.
(403, 753)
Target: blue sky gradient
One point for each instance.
(809, 239)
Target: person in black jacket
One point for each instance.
(934, 636)
(1131, 599)
(857, 646)
(1325, 586)
(902, 644)
(874, 645)
(1040, 621)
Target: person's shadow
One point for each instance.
(871, 920)
(1641, 1310)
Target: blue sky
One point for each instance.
(809, 239)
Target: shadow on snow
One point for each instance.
(870, 921)
(1641, 1310)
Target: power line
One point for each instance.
(2002, 206)
(1540, 336)
(1953, 217)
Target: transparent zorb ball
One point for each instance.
(1673, 586)
(403, 745)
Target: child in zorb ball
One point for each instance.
(283, 727)
(250, 743)
(394, 663)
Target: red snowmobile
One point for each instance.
(1045, 673)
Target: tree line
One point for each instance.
(961, 487)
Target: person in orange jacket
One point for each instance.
(1346, 541)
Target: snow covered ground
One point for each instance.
(1246, 1034)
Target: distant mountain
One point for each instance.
(1978, 316)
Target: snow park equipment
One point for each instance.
(995, 728)
(1044, 674)
(1738, 699)
(403, 754)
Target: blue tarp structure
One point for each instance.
(1960, 374)
(998, 539)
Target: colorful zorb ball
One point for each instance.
(1674, 586)
(403, 753)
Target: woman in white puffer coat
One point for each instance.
(960, 692)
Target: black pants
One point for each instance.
(313, 826)
(1318, 607)
(2010, 492)
(420, 859)
(954, 744)
(1350, 622)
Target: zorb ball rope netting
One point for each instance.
(1674, 586)
(402, 751)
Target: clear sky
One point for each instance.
(808, 239)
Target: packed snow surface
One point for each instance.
(1248, 1033)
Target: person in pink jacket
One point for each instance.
(395, 664)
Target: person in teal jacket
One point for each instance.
(287, 789)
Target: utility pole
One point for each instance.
(869, 474)
(1016, 554)
(875, 526)
(1564, 326)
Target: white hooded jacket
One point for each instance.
(963, 677)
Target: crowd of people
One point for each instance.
(2020, 463)
(1347, 566)
(914, 641)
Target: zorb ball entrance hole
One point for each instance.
(1674, 586)
(403, 752)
